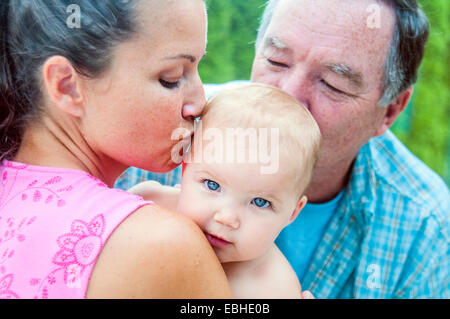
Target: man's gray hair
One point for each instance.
(406, 51)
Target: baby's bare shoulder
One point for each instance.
(281, 276)
(269, 277)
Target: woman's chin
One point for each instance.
(162, 168)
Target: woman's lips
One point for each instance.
(216, 241)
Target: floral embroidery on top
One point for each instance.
(78, 250)
(49, 243)
(5, 286)
(15, 165)
(80, 247)
(14, 231)
(37, 192)
(99, 182)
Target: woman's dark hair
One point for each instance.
(31, 31)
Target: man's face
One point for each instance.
(324, 54)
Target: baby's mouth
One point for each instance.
(217, 241)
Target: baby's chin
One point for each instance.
(223, 257)
(227, 259)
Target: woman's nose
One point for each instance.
(195, 101)
(227, 217)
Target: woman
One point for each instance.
(79, 106)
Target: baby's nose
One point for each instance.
(228, 217)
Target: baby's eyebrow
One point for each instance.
(347, 72)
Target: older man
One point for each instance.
(377, 225)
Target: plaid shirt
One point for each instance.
(133, 176)
(389, 236)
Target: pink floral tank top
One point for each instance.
(53, 225)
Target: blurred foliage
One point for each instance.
(423, 127)
(231, 39)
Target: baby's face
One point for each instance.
(240, 210)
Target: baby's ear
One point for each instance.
(301, 203)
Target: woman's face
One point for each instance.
(151, 88)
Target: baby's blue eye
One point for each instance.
(211, 185)
(260, 202)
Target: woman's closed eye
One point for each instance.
(211, 185)
(261, 203)
(169, 85)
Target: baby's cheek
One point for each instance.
(191, 209)
(251, 246)
(265, 242)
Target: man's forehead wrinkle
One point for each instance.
(304, 24)
(348, 20)
(345, 18)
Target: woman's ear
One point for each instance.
(62, 85)
(394, 110)
(301, 203)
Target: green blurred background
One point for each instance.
(423, 127)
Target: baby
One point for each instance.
(242, 194)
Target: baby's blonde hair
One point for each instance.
(263, 106)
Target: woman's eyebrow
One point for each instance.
(189, 57)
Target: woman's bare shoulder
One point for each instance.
(156, 253)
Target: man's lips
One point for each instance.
(217, 241)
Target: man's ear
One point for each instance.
(394, 110)
(301, 203)
(62, 85)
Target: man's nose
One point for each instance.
(295, 84)
(227, 217)
(195, 100)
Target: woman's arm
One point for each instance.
(155, 253)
